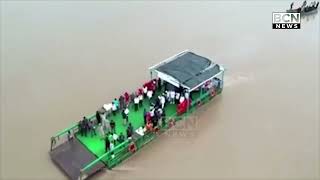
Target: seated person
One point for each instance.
(121, 138)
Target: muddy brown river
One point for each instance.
(62, 60)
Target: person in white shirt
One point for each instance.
(172, 97)
(126, 112)
(145, 90)
(101, 131)
(115, 137)
(140, 100)
(114, 108)
(106, 125)
(111, 148)
(160, 111)
(167, 94)
(186, 95)
(177, 97)
(162, 101)
(152, 113)
(149, 94)
(181, 99)
(136, 103)
(108, 108)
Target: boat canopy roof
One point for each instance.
(187, 69)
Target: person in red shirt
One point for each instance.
(126, 97)
(149, 127)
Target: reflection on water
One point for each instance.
(62, 60)
(310, 16)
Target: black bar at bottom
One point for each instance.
(286, 26)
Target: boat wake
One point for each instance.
(238, 79)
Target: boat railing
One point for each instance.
(66, 134)
(121, 151)
(110, 158)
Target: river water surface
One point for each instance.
(62, 60)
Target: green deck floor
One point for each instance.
(97, 145)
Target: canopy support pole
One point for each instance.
(188, 105)
(200, 92)
(222, 80)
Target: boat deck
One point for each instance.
(96, 144)
(72, 156)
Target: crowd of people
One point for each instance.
(86, 126)
(154, 117)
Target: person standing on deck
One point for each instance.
(110, 137)
(160, 111)
(162, 101)
(152, 115)
(140, 99)
(111, 145)
(121, 102)
(136, 103)
(159, 84)
(85, 126)
(115, 137)
(139, 91)
(108, 108)
(126, 112)
(163, 118)
(149, 94)
(157, 103)
(177, 97)
(101, 131)
(123, 116)
(129, 131)
(181, 99)
(98, 117)
(113, 126)
(114, 108)
(186, 95)
(154, 85)
(172, 96)
(167, 95)
(80, 127)
(148, 117)
(132, 96)
(149, 127)
(111, 148)
(144, 116)
(126, 98)
(92, 128)
(107, 144)
(130, 127)
(117, 103)
(291, 5)
(105, 123)
(145, 91)
(304, 3)
(121, 138)
(156, 118)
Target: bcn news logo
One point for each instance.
(282, 20)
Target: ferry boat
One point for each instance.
(305, 9)
(197, 78)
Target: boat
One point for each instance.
(198, 80)
(304, 9)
